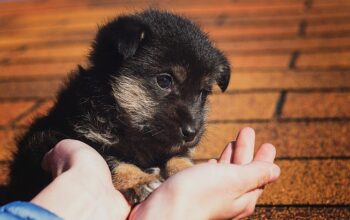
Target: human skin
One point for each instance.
(229, 187)
(82, 187)
(224, 189)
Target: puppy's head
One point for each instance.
(161, 68)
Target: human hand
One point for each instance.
(241, 151)
(82, 188)
(227, 188)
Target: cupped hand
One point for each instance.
(82, 187)
(241, 151)
(227, 188)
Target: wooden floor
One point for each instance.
(290, 81)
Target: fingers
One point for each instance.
(241, 206)
(55, 160)
(243, 152)
(244, 149)
(267, 153)
(59, 158)
(240, 151)
(246, 203)
(257, 174)
(49, 166)
(253, 175)
(226, 155)
(212, 161)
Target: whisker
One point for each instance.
(156, 133)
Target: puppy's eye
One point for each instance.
(164, 80)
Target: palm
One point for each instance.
(222, 189)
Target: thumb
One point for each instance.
(258, 174)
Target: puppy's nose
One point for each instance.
(188, 132)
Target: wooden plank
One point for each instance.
(36, 70)
(317, 105)
(195, 8)
(292, 139)
(8, 143)
(240, 32)
(330, 28)
(41, 110)
(11, 110)
(288, 80)
(98, 16)
(262, 61)
(304, 212)
(327, 60)
(24, 23)
(310, 182)
(28, 89)
(74, 51)
(240, 9)
(284, 45)
(242, 106)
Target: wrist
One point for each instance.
(84, 196)
(88, 182)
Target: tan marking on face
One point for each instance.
(207, 81)
(180, 73)
(133, 97)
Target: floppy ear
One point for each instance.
(117, 41)
(223, 74)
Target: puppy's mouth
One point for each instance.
(175, 140)
(190, 143)
(183, 146)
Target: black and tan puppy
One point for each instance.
(141, 104)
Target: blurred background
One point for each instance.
(290, 82)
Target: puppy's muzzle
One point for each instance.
(188, 132)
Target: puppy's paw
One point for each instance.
(140, 192)
(176, 164)
(153, 170)
(134, 183)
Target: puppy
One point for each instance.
(141, 104)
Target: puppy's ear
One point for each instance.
(117, 41)
(223, 74)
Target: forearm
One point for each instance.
(65, 187)
(71, 196)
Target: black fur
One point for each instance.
(140, 46)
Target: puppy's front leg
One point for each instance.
(176, 164)
(135, 184)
